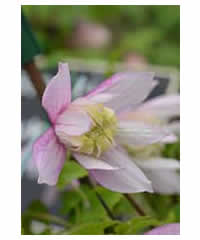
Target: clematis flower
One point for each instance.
(163, 172)
(90, 128)
(168, 229)
(158, 111)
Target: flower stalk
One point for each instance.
(134, 204)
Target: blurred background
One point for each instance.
(96, 41)
(137, 34)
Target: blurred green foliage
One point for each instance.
(81, 212)
(149, 31)
(70, 171)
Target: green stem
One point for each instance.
(134, 204)
(48, 218)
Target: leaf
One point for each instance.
(174, 214)
(70, 172)
(22, 231)
(136, 225)
(172, 150)
(37, 206)
(97, 228)
(38, 211)
(92, 210)
(34, 208)
(111, 198)
(69, 201)
(161, 204)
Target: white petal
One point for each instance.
(139, 133)
(166, 182)
(158, 163)
(102, 98)
(163, 174)
(73, 123)
(127, 89)
(170, 139)
(90, 162)
(127, 179)
(174, 127)
(162, 107)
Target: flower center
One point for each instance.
(100, 137)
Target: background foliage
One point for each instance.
(151, 32)
(81, 213)
(148, 31)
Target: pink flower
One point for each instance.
(159, 111)
(90, 128)
(162, 172)
(168, 229)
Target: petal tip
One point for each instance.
(43, 181)
(170, 139)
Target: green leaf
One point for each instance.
(172, 150)
(22, 231)
(92, 210)
(161, 204)
(69, 201)
(111, 198)
(136, 225)
(38, 211)
(35, 208)
(97, 228)
(174, 214)
(70, 172)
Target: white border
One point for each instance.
(10, 118)
(100, 2)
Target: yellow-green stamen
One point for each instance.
(100, 138)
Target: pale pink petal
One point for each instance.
(57, 95)
(127, 179)
(127, 89)
(90, 162)
(102, 98)
(170, 139)
(139, 133)
(163, 174)
(174, 127)
(162, 107)
(158, 163)
(49, 157)
(73, 122)
(164, 182)
(168, 229)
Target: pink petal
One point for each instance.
(162, 107)
(174, 127)
(90, 162)
(163, 174)
(73, 122)
(158, 163)
(57, 95)
(126, 89)
(164, 181)
(49, 157)
(127, 179)
(168, 229)
(139, 133)
(102, 98)
(170, 139)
